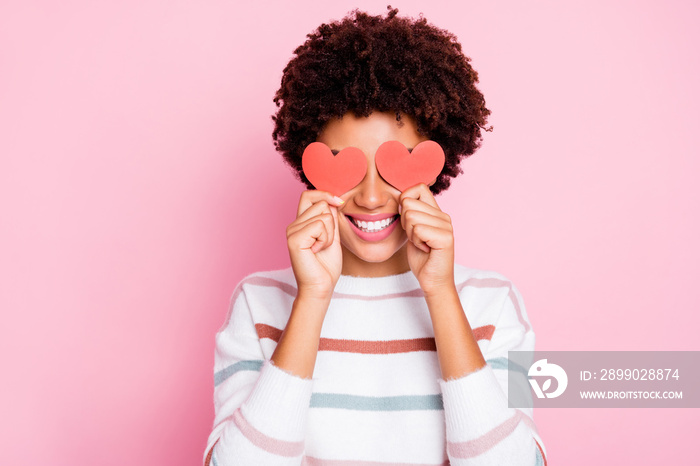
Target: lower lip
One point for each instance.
(374, 236)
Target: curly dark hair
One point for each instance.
(367, 63)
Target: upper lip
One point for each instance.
(370, 218)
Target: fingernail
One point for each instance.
(338, 200)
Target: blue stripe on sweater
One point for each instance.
(504, 363)
(256, 365)
(376, 403)
(498, 363)
(226, 372)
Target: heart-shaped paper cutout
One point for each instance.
(402, 169)
(336, 174)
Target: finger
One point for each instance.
(420, 192)
(414, 219)
(312, 196)
(320, 207)
(331, 226)
(431, 237)
(415, 204)
(421, 246)
(312, 236)
(323, 237)
(325, 218)
(415, 212)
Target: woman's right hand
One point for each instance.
(314, 244)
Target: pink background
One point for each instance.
(139, 184)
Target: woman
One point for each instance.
(374, 347)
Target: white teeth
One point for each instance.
(373, 227)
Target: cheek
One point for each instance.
(346, 232)
(401, 233)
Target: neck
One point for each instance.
(356, 267)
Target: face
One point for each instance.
(372, 239)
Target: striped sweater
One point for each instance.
(376, 396)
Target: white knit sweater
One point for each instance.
(376, 396)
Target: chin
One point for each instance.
(373, 257)
(376, 253)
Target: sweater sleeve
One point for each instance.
(480, 427)
(260, 410)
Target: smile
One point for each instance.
(372, 226)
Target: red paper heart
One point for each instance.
(402, 169)
(336, 174)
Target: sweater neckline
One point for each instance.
(374, 286)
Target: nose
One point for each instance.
(373, 192)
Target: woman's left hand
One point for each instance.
(430, 239)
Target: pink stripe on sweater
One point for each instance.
(269, 444)
(516, 305)
(485, 332)
(310, 461)
(481, 445)
(497, 283)
(475, 282)
(544, 458)
(258, 281)
(371, 346)
(292, 291)
(265, 281)
(417, 293)
(207, 460)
